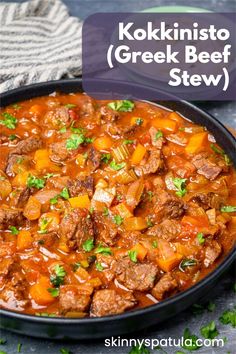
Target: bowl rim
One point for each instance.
(215, 274)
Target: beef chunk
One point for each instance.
(152, 165)
(168, 230)
(94, 159)
(45, 240)
(206, 167)
(27, 145)
(57, 118)
(107, 263)
(109, 302)
(164, 286)
(135, 276)
(14, 163)
(109, 115)
(58, 182)
(168, 206)
(10, 217)
(212, 252)
(76, 227)
(21, 196)
(81, 185)
(14, 292)
(59, 152)
(209, 200)
(5, 266)
(105, 230)
(74, 298)
(157, 142)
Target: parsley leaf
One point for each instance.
(12, 137)
(139, 350)
(211, 306)
(65, 193)
(133, 255)
(209, 331)
(121, 106)
(88, 245)
(49, 175)
(117, 166)
(139, 121)
(54, 292)
(179, 183)
(34, 182)
(201, 238)
(54, 200)
(128, 142)
(105, 211)
(118, 220)
(44, 222)
(158, 135)
(228, 209)
(14, 230)
(3, 341)
(154, 244)
(103, 250)
(16, 106)
(99, 267)
(64, 351)
(229, 317)
(105, 158)
(193, 339)
(9, 120)
(74, 141)
(70, 105)
(57, 279)
(19, 345)
(187, 263)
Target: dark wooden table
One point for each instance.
(223, 295)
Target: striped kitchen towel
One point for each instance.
(39, 41)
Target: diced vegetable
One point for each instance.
(166, 125)
(82, 201)
(125, 177)
(138, 154)
(95, 282)
(101, 184)
(135, 223)
(105, 196)
(49, 222)
(36, 109)
(42, 160)
(103, 143)
(32, 210)
(82, 274)
(21, 179)
(140, 250)
(6, 188)
(80, 160)
(167, 264)
(24, 240)
(197, 143)
(120, 153)
(176, 117)
(123, 211)
(39, 293)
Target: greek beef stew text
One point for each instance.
(107, 206)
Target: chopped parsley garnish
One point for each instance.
(117, 166)
(99, 267)
(128, 142)
(64, 351)
(76, 266)
(65, 193)
(43, 225)
(9, 120)
(133, 255)
(229, 317)
(211, 306)
(12, 137)
(222, 153)
(2, 341)
(121, 106)
(74, 141)
(58, 278)
(49, 175)
(193, 340)
(201, 238)
(54, 292)
(70, 105)
(16, 106)
(149, 222)
(187, 263)
(14, 230)
(154, 244)
(139, 121)
(197, 309)
(62, 130)
(54, 200)
(118, 220)
(88, 245)
(105, 211)
(179, 183)
(209, 331)
(137, 349)
(228, 209)
(158, 135)
(34, 182)
(105, 158)
(103, 250)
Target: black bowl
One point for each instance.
(89, 328)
